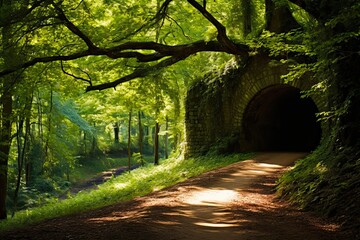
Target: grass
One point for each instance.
(127, 186)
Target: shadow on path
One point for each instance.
(235, 202)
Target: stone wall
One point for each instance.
(215, 108)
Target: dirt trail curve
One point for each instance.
(235, 202)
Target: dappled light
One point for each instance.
(233, 202)
(211, 197)
(223, 207)
(216, 225)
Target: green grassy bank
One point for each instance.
(138, 182)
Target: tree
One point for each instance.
(7, 88)
(116, 132)
(5, 136)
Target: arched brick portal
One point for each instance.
(278, 119)
(215, 109)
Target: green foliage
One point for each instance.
(138, 158)
(327, 180)
(138, 182)
(44, 190)
(41, 191)
(326, 48)
(311, 171)
(283, 44)
(225, 145)
(30, 197)
(324, 182)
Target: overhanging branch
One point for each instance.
(76, 77)
(72, 27)
(222, 36)
(138, 73)
(160, 54)
(131, 50)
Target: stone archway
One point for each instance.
(252, 109)
(278, 119)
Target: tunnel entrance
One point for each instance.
(278, 119)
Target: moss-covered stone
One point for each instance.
(215, 106)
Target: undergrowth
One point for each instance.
(90, 167)
(138, 182)
(46, 189)
(326, 183)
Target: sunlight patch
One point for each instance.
(269, 165)
(212, 197)
(216, 225)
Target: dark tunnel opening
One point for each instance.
(278, 119)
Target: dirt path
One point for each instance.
(235, 202)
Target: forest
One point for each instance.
(85, 83)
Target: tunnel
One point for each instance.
(279, 119)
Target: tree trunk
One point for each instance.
(6, 108)
(279, 18)
(246, 6)
(116, 132)
(27, 149)
(5, 143)
(167, 138)
(40, 134)
(29, 170)
(140, 138)
(21, 148)
(129, 141)
(49, 127)
(156, 144)
(94, 146)
(146, 136)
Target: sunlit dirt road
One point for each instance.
(235, 202)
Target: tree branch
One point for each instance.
(76, 77)
(177, 54)
(74, 29)
(45, 60)
(138, 73)
(141, 51)
(125, 50)
(222, 36)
